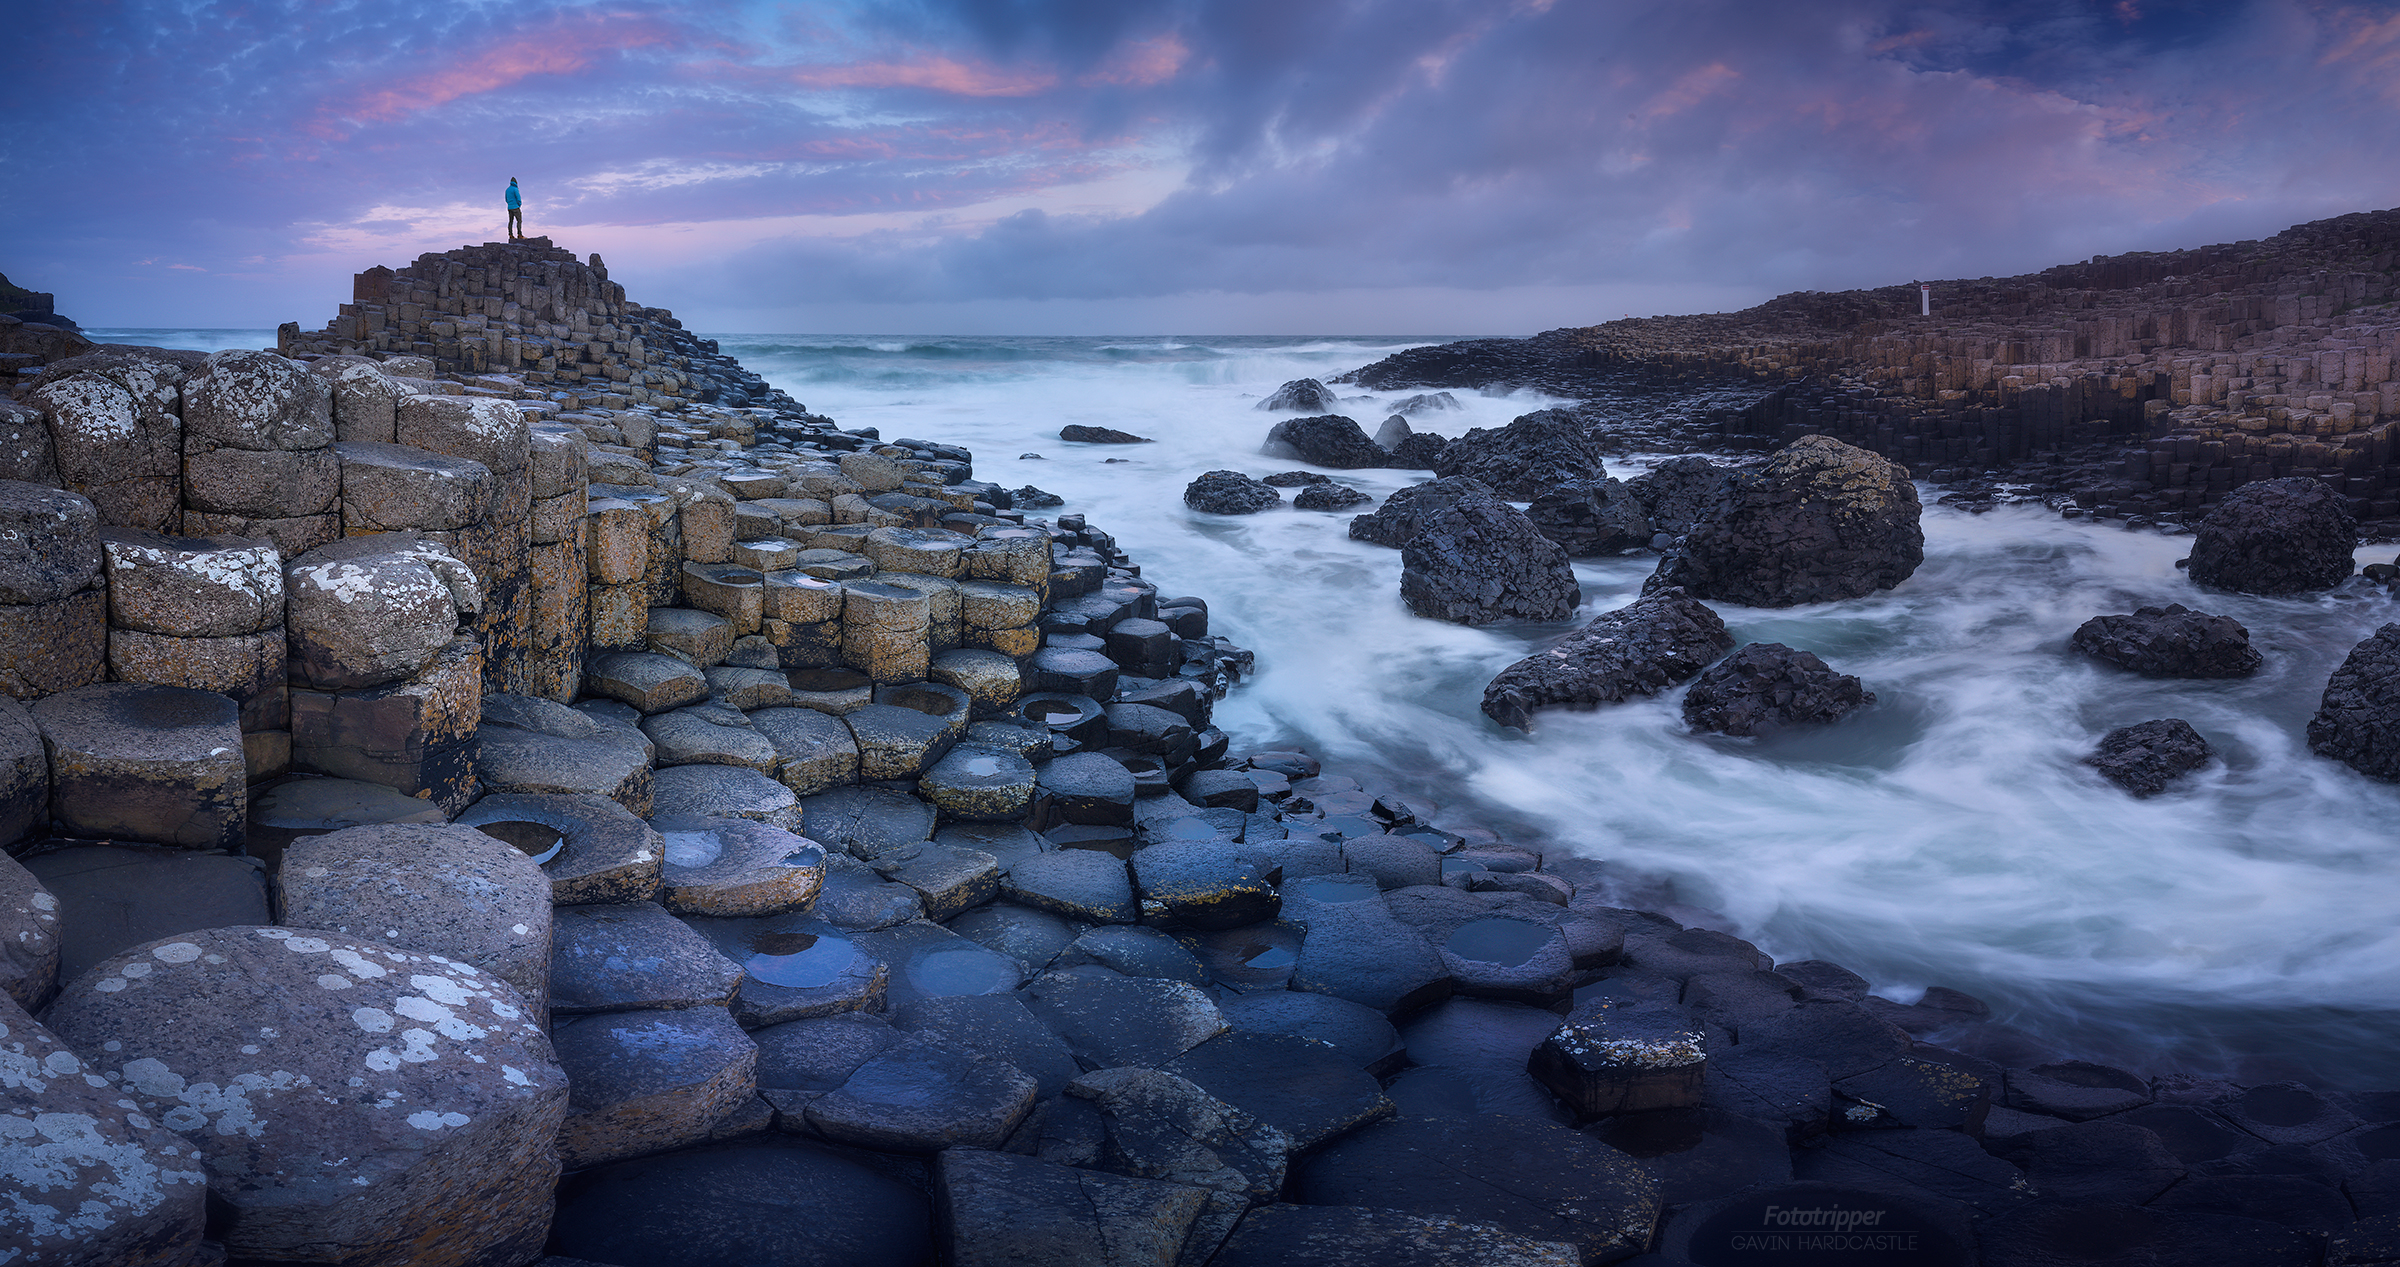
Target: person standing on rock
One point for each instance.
(516, 212)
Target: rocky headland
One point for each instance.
(2148, 385)
(492, 781)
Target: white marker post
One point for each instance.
(1924, 299)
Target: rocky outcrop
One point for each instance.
(2146, 758)
(1301, 394)
(1483, 561)
(1526, 458)
(2358, 720)
(1327, 440)
(2284, 536)
(1818, 522)
(1405, 511)
(2170, 642)
(1591, 518)
(1767, 685)
(1639, 649)
(1229, 493)
(2138, 384)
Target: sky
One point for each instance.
(1168, 166)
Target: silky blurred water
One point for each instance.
(2242, 925)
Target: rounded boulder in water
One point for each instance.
(2285, 536)
(1229, 493)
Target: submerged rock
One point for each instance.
(1300, 393)
(1479, 562)
(2172, 641)
(2358, 720)
(1326, 440)
(1329, 496)
(2283, 536)
(1819, 521)
(1768, 684)
(1639, 649)
(1100, 435)
(1229, 493)
(2143, 759)
(1526, 458)
(1296, 479)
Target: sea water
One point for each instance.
(2243, 924)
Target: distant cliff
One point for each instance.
(2225, 364)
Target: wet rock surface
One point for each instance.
(1527, 458)
(2170, 642)
(1229, 493)
(1817, 522)
(1480, 562)
(1330, 440)
(2145, 759)
(2358, 720)
(2284, 536)
(1766, 685)
(1639, 649)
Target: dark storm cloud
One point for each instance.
(948, 150)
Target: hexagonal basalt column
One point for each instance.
(155, 763)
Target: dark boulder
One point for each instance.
(1031, 498)
(1300, 393)
(1295, 479)
(1229, 493)
(1591, 517)
(1479, 562)
(2143, 759)
(1768, 684)
(1817, 522)
(1524, 459)
(1640, 649)
(2171, 641)
(2282, 536)
(2358, 721)
(1329, 496)
(1325, 440)
(1417, 451)
(1100, 435)
(1405, 511)
(1676, 492)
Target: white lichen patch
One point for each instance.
(90, 408)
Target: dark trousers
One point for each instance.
(516, 222)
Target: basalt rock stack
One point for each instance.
(533, 313)
(2143, 383)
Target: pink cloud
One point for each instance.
(564, 48)
(934, 72)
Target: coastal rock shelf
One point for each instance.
(2140, 384)
(497, 756)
